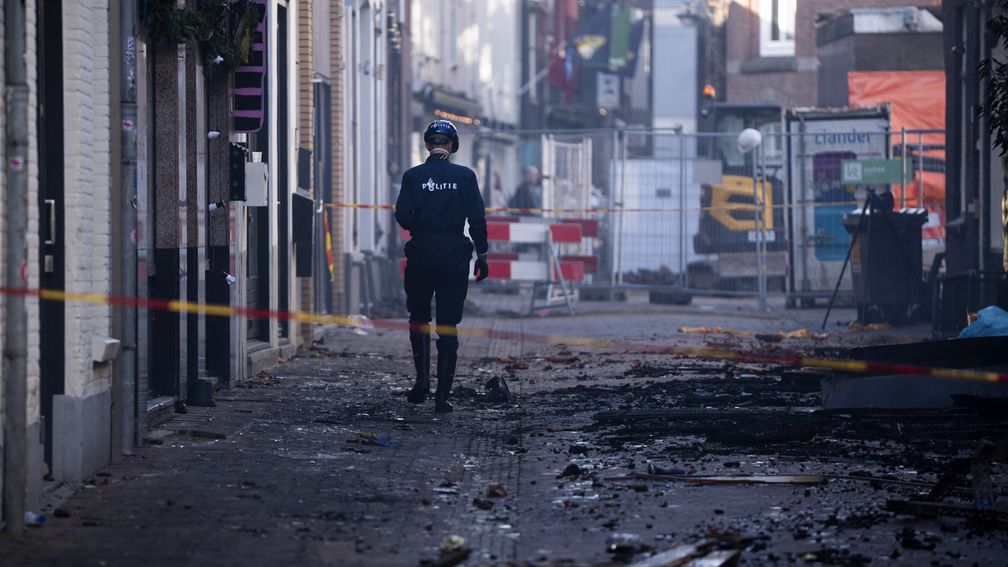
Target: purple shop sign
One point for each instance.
(250, 80)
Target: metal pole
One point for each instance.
(920, 178)
(129, 235)
(614, 228)
(318, 250)
(682, 209)
(903, 179)
(757, 231)
(761, 230)
(621, 204)
(15, 260)
(805, 195)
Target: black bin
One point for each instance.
(886, 264)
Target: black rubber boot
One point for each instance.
(446, 358)
(420, 341)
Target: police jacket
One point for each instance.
(438, 197)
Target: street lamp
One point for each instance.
(749, 140)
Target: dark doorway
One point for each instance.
(257, 270)
(323, 191)
(283, 168)
(51, 207)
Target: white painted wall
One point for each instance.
(321, 36)
(365, 132)
(675, 80)
(499, 62)
(471, 47)
(271, 160)
(88, 181)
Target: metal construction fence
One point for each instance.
(667, 210)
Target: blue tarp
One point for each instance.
(991, 322)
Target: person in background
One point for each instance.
(528, 195)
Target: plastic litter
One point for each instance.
(33, 519)
(367, 438)
(625, 544)
(991, 322)
(452, 543)
(359, 324)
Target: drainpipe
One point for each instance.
(15, 260)
(129, 235)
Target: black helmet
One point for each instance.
(442, 128)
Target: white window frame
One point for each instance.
(780, 47)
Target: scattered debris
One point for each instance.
(452, 543)
(803, 334)
(453, 552)
(856, 326)
(702, 480)
(625, 544)
(483, 503)
(513, 363)
(806, 379)
(367, 438)
(447, 488)
(497, 390)
(571, 470)
(496, 491)
(723, 558)
(766, 337)
(657, 470)
(798, 479)
(675, 556)
(453, 558)
(983, 508)
(359, 324)
(645, 370)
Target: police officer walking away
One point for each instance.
(435, 201)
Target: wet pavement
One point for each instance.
(320, 461)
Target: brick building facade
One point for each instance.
(761, 68)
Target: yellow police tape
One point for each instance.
(189, 307)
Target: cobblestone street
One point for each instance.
(321, 462)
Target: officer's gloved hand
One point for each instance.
(481, 269)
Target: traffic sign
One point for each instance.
(873, 171)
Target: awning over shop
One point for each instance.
(457, 107)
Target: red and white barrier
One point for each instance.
(505, 267)
(533, 233)
(502, 267)
(536, 266)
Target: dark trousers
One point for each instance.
(437, 267)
